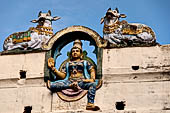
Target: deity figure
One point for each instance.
(75, 74)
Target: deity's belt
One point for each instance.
(75, 79)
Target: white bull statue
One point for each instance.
(121, 32)
(33, 38)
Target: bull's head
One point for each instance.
(113, 15)
(43, 17)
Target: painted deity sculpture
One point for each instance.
(33, 38)
(75, 74)
(121, 32)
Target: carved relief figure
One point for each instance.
(122, 32)
(75, 74)
(33, 38)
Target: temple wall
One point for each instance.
(137, 76)
(17, 93)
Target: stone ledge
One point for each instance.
(101, 111)
(16, 82)
(112, 111)
(19, 51)
(137, 77)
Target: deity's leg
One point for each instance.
(59, 85)
(91, 87)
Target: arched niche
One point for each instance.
(69, 34)
(92, 36)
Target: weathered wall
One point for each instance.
(17, 93)
(149, 59)
(145, 90)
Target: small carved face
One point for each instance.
(76, 53)
(45, 16)
(114, 14)
(110, 15)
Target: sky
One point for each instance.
(17, 14)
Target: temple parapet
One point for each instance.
(135, 80)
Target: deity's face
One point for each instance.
(76, 53)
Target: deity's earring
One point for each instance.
(81, 57)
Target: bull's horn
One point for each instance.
(39, 14)
(34, 21)
(117, 10)
(122, 15)
(109, 9)
(49, 13)
(55, 18)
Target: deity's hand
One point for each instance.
(51, 63)
(59, 74)
(74, 86)
(88, 80)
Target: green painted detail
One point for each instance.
(99, 63)
(21, 37)
(46, 69)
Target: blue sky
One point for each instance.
(17, 14)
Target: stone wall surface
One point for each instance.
(17, 93)
(149, 59)
(139, 77)
(32, 63)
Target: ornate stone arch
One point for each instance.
(93, 36)
(67, 35)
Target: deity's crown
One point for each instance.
(77, 43)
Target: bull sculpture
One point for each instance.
(123, 33)
(34, 37)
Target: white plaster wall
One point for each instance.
(145, 90)
(13, 100)
(149, 59)
(17, 93)
(11, 65)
